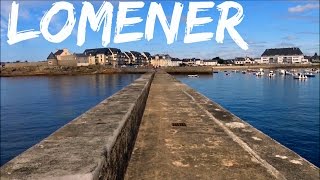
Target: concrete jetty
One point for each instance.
(184, 135)
(95, 145)
(158, 128)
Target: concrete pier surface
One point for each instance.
(184, 135)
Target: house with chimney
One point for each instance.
(282, 56)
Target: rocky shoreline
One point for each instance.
(63, 70)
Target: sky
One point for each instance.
(266, 24)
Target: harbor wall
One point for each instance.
(188, 70)
(35, 70)
(95, 145)
(25, 64)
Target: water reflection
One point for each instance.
(34, 107)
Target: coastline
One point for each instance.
(89, 70)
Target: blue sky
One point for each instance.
(266, 24)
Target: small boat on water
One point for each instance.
(309, 74)
(195, 75)
(271, 74)
(215, 71)
(315, 70)
(287, 73)
(243, 72)
(260, 73)
(299, 76)
(282, 72)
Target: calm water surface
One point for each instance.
(34, 107)
(281, 107)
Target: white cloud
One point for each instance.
(289, 38)
(286, 44)
(302, 8)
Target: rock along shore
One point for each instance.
(64, 70)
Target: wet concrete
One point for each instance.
(214, 144)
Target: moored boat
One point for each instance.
(299, 76)
(287, 73)
(194, 75)
(260, 73)
(309, 74)
(282, 72)
(271, 74)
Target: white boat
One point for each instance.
(195, 75)
(260, 73)
(309, 74)
(299, 76)
(271, 74)
(287, 73)
(315, 70)
(282, 72)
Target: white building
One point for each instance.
(239, 60)
(176, 62)
(198, 62)
(282, 56)
(257, 60)
(161, 60)
(248, 60)
(210, 62)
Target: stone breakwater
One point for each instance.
(158, 128)
(96, 145)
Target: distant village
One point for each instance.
(114, 57)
